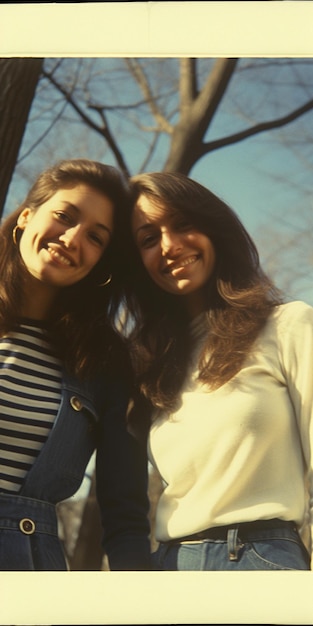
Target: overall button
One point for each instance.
(27, 526)
(76, 403)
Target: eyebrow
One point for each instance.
(78, 210)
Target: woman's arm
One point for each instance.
(122, 487)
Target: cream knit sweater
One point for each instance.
(244, 451)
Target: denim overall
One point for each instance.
(91, 415)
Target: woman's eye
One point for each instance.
(148, 241)
(63, 216)
(96, 239)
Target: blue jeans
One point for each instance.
(270, 549)
(29, 535)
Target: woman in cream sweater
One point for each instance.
(224, 373)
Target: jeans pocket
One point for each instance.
(276, 554)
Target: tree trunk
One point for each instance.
(18, 81)
(197, 110)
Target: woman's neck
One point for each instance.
(195, 304)
(38, 301)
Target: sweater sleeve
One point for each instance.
(296, 345)
(122, 481)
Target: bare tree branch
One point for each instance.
(43, 135)
(102, 130)
(193, 117)
(150, 152)
(258, 128)
(139, 75)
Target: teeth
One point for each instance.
(187, 261)
(183, 263)
(59, 257)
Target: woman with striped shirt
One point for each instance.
(64, 376)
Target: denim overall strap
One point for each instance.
(59, 469)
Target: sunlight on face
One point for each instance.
(177, 257)
(66, 236)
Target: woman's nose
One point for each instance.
(70, 237)
(171, 243)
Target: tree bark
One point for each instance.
(18, 82)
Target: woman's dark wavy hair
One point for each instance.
(82, 320)
(240, 296)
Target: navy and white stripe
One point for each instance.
(30, 391)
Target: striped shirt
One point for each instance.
(30, 392)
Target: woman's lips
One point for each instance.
(177, 267)
(59, 257)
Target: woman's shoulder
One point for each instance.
(295, 309)
(291, 315)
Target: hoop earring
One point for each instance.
(15, 229)
(106, 282)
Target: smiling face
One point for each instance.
(66, 236)
(177, 257)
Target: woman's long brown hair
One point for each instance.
(240, 297)
(82, 321)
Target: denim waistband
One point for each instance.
(27, 515)
(246, 530)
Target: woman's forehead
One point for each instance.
(153, 208)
